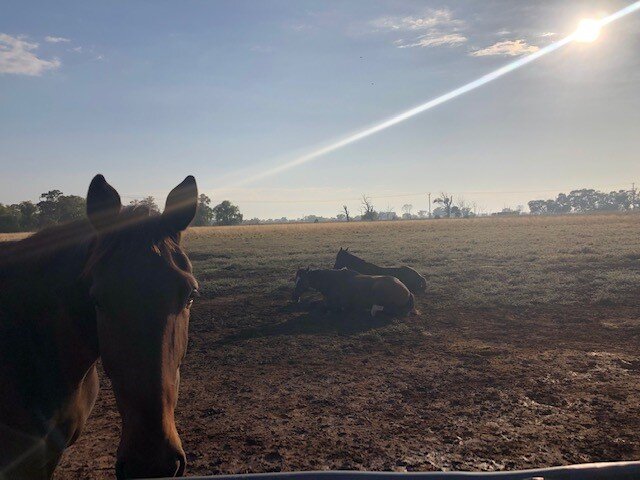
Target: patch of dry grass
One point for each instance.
(485, 262)
(481, 263)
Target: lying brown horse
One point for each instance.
(415, 282)
(346, 289)
(118, 287)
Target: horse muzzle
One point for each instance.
(172, 464)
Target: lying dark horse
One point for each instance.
(407, 275)
(116, 286)
(346, 289)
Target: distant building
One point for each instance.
(387, 216)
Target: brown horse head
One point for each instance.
(302, 283)
(142, 287)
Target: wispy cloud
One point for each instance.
(548, 34)
(51, 39)
(506, 48)
(431, 19)
(434, 40)
(438, 28)
(17, 57)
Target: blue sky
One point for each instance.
(147, 92)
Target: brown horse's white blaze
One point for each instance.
(142, 287)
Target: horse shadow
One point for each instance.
(312, 319)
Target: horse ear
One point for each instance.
(346, 249)
(181, 205)
(340, 248)
(103, 203)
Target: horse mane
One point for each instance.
(47, 242)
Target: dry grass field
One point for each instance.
(526, 352)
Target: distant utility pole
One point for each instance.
(429, 194)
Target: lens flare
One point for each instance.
(587, 29)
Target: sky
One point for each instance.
(147, 92)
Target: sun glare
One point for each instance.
(588, 30)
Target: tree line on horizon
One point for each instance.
(587, 200)
(55, 208)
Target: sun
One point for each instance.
(588, 30)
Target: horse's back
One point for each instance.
(383, 290)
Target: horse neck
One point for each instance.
(357, 263)
(47, 323)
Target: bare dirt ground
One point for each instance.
(526, 353)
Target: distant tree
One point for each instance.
(582, 201)
(455, 212)
(439, 212)
(368, 211)
(71, 207)
(226, 213)
(422, 213)
(406, 210)
(55, 207)
(538, 207)
(620, 201)
(446, 201)
(585, 200)
(148, 202)
(341, 217)
(345, 209)
(28, 215)
(388, 214)
(48, 208)
(9, 219)
(204, 213)
(561, 204)
(465, 208)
